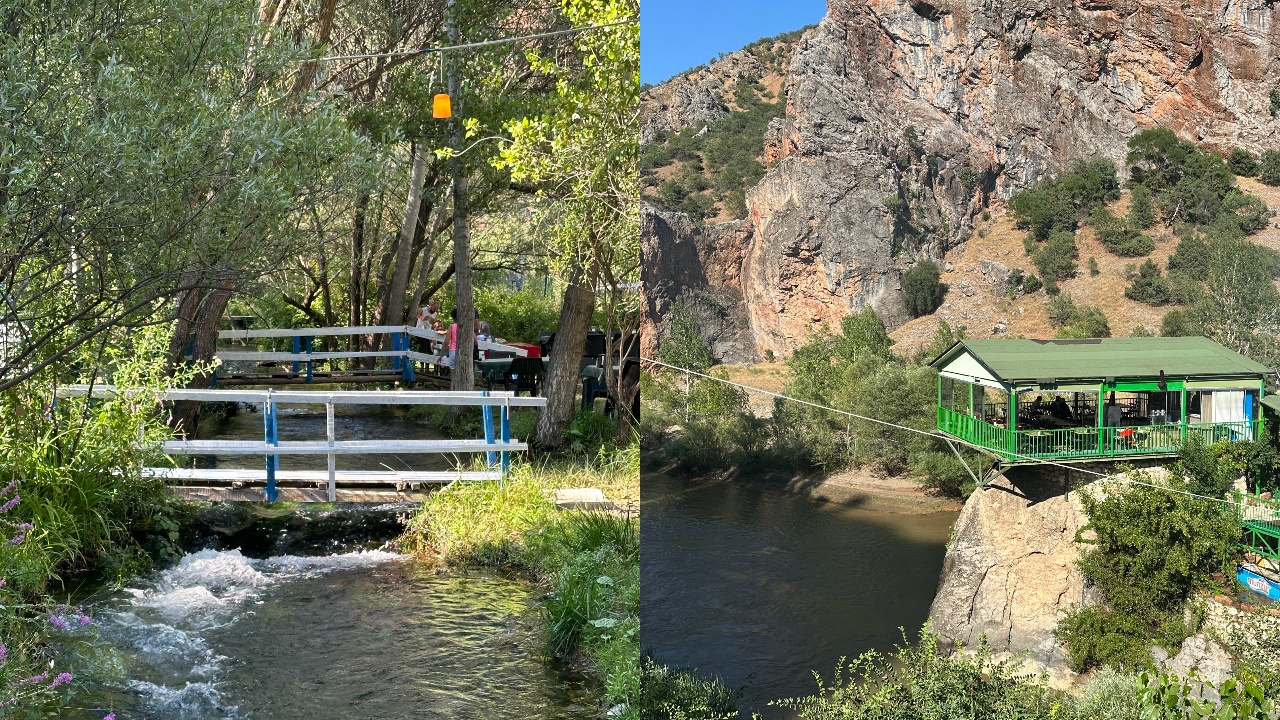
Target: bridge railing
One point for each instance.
(304, 353)
(497, 443)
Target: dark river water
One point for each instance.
(762, 587)
(353, 635)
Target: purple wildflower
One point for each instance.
(4, 653)
(36, 678)
(25, 526)
(13, 485)
(62, 679)
(11, 504)
(109, 716)
(17, 539)
(85, 621)
(1, 582)
(57, 622)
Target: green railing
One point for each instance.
(1088, 442)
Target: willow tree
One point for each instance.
(582, 152)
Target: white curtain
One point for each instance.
(1228, 406)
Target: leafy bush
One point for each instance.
(1141, 214)
(1269, 172)
(1077, 321)
(669, 694)
(922, 681)
(1149, 285)
(1243, 163)
(1181, 323)
(1118, 236)
(921, 289)
(1031, 283)
(1188, 184)
(1056, 258)
(517, 316)
(1151, 549)
(1060, 203)
(1094, 271)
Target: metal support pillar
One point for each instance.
(297, 348)
(486, 412)
(310, 364)
(395, 347)
(272, 432)
(333, 472)
(506, 438)
(406, 372)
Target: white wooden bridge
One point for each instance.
(271, 483)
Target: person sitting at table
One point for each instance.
(1059, 409)
(1037, 406)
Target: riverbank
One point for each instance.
(588, 563)
(856, 488)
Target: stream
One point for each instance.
(323, 628)
(762, 587)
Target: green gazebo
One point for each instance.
(1026, 401)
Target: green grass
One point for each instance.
(589, 563)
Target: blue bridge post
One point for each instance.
(486, 412)
(506, 437)
(395, 347)
(309, 363)
(271, 430)
(406, 372)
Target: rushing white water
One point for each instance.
(163, 618)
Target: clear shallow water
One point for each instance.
(762, 587)
(358, 635)
(350, 636)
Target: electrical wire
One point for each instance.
(936, 435)
(480, 44)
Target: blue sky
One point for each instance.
(676, 35)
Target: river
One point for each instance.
(356, 633)
(762, 587)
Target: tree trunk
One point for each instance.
(186, 413)
(404, 251)
(355, 292)
(463, 367)
(561, 383)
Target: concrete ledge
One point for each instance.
(582, 499)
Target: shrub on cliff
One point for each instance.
(1243, 163)
(1149, 286)
(1056, 258)
(1269, 172)
(1060, 203)
(1119, 236)
(1141, 214)
(921, 289)
(1151, 549)
(1077, 321)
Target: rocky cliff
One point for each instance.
(906, 119)
(1011, 570)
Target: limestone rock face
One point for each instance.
(1011, 571)
(1210, 662)
(905, 119)
(698, 266)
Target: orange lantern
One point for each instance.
(440, 106)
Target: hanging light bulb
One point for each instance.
(441, 107)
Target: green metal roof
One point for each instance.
(1272, 401)
(1016, 359)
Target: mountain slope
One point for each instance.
(946, 110)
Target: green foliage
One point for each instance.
(1149, 285)
(590, 432)
(669, 694)
(1166, 696)
(921, 289)
(717, 165)
(1118, 236)
(1141, 213)
(1077, 321)
(1151, 549)
(1031, 283)
(1181, 323)
(1059, 204)
(921, 680)
(1190, 185)
(1243, 163)
(1093, 267)
(517, 316)
(1269, 172)
(684, 346)
(1056, 258)
(589, 562)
